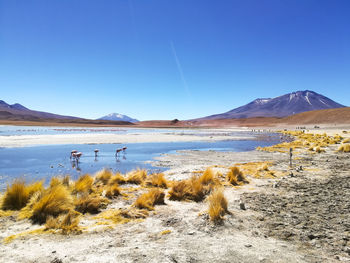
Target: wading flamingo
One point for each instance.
(72, 153)
(96, 151)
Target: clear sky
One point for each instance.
(165, 59)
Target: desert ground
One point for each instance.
(280, 214)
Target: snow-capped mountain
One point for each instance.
(117, 117)
(281, 106)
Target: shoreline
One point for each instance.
(107, 138)
(286, 217)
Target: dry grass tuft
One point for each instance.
(15, 196)
(209, 178)
(55, 181)
(113, 191)
(83, 184)
(54, 201)
(104, 176)
(137, 177)
(117, 179)
(67, 223)
(157, 180)
(318, 149)
(150, 199)
(191, 189)
(27, 211)
(217, 206)
(236, 177)
(66, 180)
(344, 148)
(90, 204)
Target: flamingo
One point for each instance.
(124, 148)
(72, 153)
(117, 152)
(96, 151)
(77, 156)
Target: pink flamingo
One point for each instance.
(96, 151)
(77, 156)
(124, 148)
(72, 153)
(117, 152)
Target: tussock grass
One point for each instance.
(54, 201)
(209, 178)
(117, 179)
(90, 204)
(236, 177)
(156, 180)
(318, 149)
(150, 199)
(66, 180)
(27, 211)
(137, 177)
(104, 176)
(83, 184)
(16, 196)
(344, 148)
(346, 140)
(67, 223)
(55, 181)
(217, 205)
(113, 191)
(191, 189)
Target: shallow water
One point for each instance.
(43, 162)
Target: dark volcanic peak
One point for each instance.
(18, 110)
(282, 106)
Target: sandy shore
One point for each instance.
(33, 140)
(294, 216)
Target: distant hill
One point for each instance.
(282, 106)
(118, 117)
(18, 111)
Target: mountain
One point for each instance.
(282, 106)
(117, 117)
(18, 111)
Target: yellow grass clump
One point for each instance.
(344, 148)
(90, 204)
(236, 177)
(346, 140)
(217, 206)
(83, 184)
(53, 202)
(318, 149)
(156, 180)
(67, 223)
(15, 196)
(55, 181)
(209, 178)
(104, 176)
(137, 177)
(191, 189)
(150, 199)
(117, 179)
(113, 191)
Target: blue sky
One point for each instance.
(170, 59)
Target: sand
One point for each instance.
(298, 217)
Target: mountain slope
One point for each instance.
(18, 111)
(118, 117)
(282, 106)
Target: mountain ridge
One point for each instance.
(281, 106)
